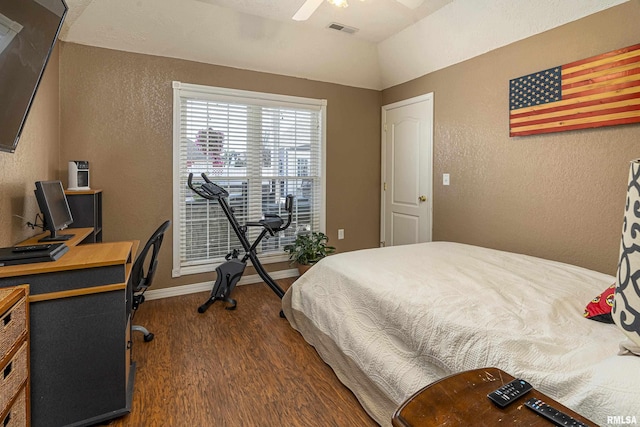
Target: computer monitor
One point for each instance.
(55, 208)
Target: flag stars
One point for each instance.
(535, 89)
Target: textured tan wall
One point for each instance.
(35, 159)
(558, 196)
(117, 114)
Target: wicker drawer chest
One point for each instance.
(14, 357)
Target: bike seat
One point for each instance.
(271, 223)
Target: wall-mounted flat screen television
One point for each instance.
(28, 31)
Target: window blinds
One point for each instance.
(260, 148)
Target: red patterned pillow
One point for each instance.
(599, 308)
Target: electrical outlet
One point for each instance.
(341, 234)
(445, 179)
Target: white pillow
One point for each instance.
(626, 303)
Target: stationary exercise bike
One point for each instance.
(230, 272)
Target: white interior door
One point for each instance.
(407, 169)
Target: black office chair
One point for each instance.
(141, 281)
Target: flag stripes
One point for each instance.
(600, 91)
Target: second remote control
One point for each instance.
(509, 392)
(555, 416)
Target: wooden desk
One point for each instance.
(461, 400)
(81, 370)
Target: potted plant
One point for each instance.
(307, 249)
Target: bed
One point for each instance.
(391, 320)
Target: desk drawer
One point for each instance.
(12, 376)
(12, 324)
(17, 415)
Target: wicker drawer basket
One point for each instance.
(17, 415)
(12, 324)
(13, 376)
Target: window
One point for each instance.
(260, 147)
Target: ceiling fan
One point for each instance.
(310, 6)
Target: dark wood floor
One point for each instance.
(246, 367)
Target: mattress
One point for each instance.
(390, 321)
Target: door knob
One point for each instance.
(422, 198)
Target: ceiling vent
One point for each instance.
(342, 28)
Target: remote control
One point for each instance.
(555, 416)
(509, 392)
(31, 248)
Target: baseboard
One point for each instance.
(206, 286)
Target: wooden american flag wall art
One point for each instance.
(603, 90)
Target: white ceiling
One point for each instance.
(375, 20)
(393, 45)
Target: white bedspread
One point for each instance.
(408, 315)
